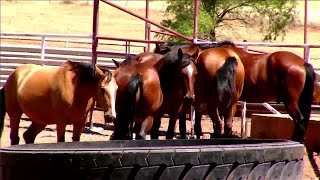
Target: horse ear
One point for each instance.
(195, 54)
(180, 53)
(157, 49)
(116, 63)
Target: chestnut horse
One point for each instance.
(279, 76)
(60, 96)
(139, 98)
(177, 73)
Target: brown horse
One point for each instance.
(316, 93)
(177, 73)
(218, 87)
(279, 76)
(139, 98)
(225, 72)
(58, 96)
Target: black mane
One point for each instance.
(86, 72)
(226, 42)
(172, 66)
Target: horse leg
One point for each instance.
(31, 133)
(61, 129)
(228, 120)
(77, 130)
(299, 130)
(216, 123)
(14, 126)
(155, 128)
(137, 129)
(197, 124)
(172, 125)
(143, 127)
(182, 126)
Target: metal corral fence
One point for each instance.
(53, 49)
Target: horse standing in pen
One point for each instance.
(218, 85)
(139, 98)
(177, 73)
(279, 76)
(60, 96)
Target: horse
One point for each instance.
(218, 87)
(177, 73)
(60, 96)
(316, 93)
(139, 98)
(225, 72)
(279, 76)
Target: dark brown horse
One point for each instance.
(139, 98)
(218, 87)
(280, 76)
(59, 96)
(177, 73)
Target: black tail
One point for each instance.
(305, 98)
(225, 77)
(2, 109)
(135, 82)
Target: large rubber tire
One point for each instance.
(167, 159)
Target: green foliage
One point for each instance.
(272, 17)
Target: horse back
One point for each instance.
(148, 58)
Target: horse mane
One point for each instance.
(225, 42)
(169, 46)
(171, 58)
(86, 72)
(171, 65)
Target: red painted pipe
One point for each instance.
(147, 20)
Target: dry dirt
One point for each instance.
(102, 132)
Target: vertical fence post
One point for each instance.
(66, 45)
(95, 23)
(244, 125)
(307, 53)
(147, 28)
(43, 48)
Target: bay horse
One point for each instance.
(139, 98)
(279, 76)
(177, 73)
(60, 96)
(218, 85)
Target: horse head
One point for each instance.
(107, 95)
(178, 64)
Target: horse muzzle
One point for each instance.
(108, 117)
(189, 99)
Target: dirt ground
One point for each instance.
(102, 132)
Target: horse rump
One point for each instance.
(124, 122)
(225, 79)
(306, 96)
(2, 109)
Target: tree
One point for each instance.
(271, 17)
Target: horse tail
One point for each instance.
(225, 77)
(134, 84)
(306, 96)
(2, 109)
